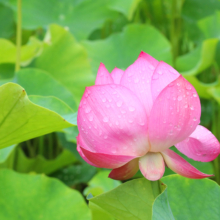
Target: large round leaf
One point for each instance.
(81, 17)
(38, 197)
(38, 82)
(122, 49)
(20, 119)
(193, 199)
(134, 200)
(66, 60)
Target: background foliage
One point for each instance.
(41, 174)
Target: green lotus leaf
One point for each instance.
(39, 197)
(20, 119)
(122, 49)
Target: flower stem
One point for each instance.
(18, 36)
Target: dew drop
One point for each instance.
(110, 100)
(142, 123)
(90, 118)
(191, 107)
(179, 98)
(87, 110)
(131, 109)
(188, 87)
(119, 104)
(171, 132)
(105, 137)
(130, 121)
(151, 67)
(155, 76)
(123, 111)
(104, 100)
(178, 84)
(136, 80)
(116, 123)
(194, 119)
(105, 119)
(113, 151)
(194, 95)
(160, 72)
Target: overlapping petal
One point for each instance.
(152, 166)
(149, 58)
(137, 77)
(112, 120)
(106, 160)
(163, 75)
(201, 145)
(125, 172)
(116, 75)
(103, 77)
(82, 154)
(174, 116)
(181, 166)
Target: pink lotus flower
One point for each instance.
(131, 118)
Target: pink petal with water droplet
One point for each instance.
(201, 145)
(103, 77)
(175, 115)
(152, 166)
(125, 172)
(111, 120)
(106, 160)
(116, 75)
(163, 75)
(137, 77)
(181, 166)
(149, 58)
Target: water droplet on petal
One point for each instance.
(194, 119)
(155, 76)
(151, 67)
(119, 103)
(104, 100)
(136, 80)
(123, 111)
(191, 107)
(160, 72)
(178, 84)
(105, 119)
(188, 87)
(130, 121)
(87, 109)
(194, 95)
(105, 137)
(90, 118)
(131, 109)
(179, 98)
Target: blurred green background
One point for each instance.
(63, 43)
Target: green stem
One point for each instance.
(30, 149)
(173, 30)
(215, 131)
(18, 37)
(50, 146)
(41, 145)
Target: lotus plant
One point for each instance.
(129, 119)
